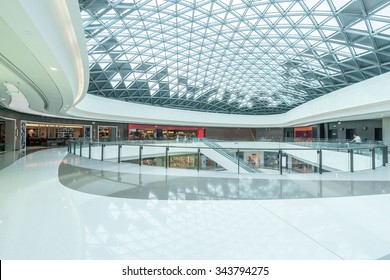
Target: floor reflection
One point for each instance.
(8, 158)
(162, 187)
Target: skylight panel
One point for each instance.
(116, 80)
(387, 32)
(296, 7)
(306, 21)
(328, 33)
(310, 3)
(206, 6)
(319, 19)
(341, 56)
(110, 12)
(324, 7)
(333, 72)
(284, 5)
(133, 65)
(315, 64)
(345, 51)
(293, 32)
(84, 15)
(312, 42)
(232, 98)
(106, 58)
(322, 46)
(359, 51)
(230, 16)
(339, 4)
(332, 22)
(361, 25)
(376, 25)
(182, 89)
(295, 19)
(273, 33)
(273, 19)
(384, 12)
(153, 88)
(272, 10)
(300, 44)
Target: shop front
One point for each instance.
(107, 133)
(163, 132)
(303, 134)
(48, 134)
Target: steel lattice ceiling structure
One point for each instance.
(240, 57)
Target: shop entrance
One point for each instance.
(378, 134)
(108, 133)
(303, 134)
(349, 132)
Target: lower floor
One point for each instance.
(59, 206)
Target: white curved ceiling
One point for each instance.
(42, 55)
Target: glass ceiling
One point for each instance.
(240, 57)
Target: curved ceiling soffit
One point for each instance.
(39, 65)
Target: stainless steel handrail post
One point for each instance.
(103, 145)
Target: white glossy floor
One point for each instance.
(40, 218)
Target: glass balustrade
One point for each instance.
(239, 157)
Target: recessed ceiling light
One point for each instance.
(53, 68)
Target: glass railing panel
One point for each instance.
(110, 151)
(130, 153)
(208, 163)
(362, 158)
(293, 189)
(95, 150)
(334, 189)
(270, 160)
(82, 148)
(153, 155)
(252, 160)
(233, 159)
(300, 161)
(183, 157)
(378, 157)
(335, 160)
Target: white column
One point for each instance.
(9, 135)
(386, 131)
